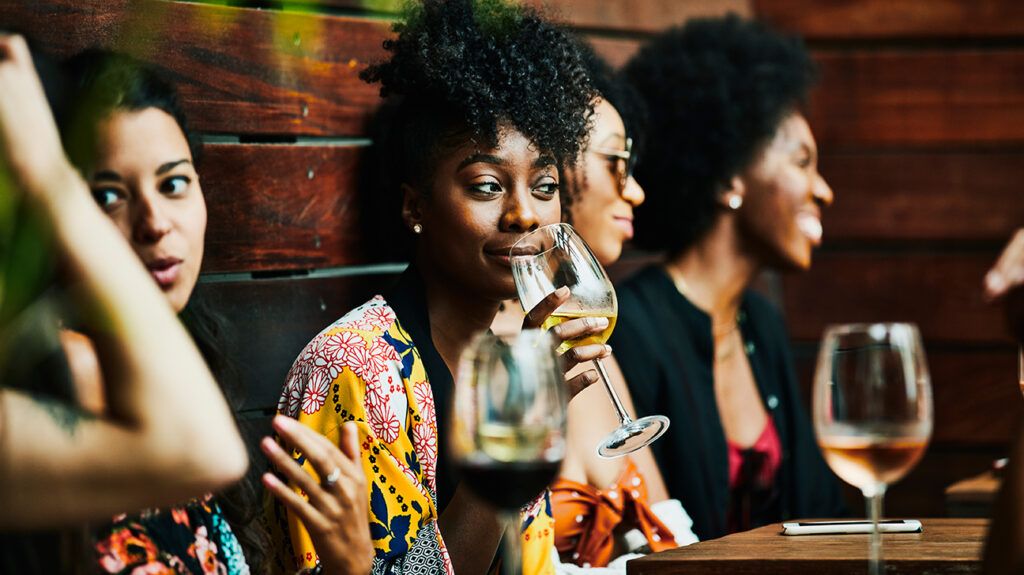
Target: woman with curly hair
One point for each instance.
(487, 103)
(598, 199)
(733, 189)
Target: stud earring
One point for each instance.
(735, 201)
(417, 228)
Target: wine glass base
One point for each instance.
(632, 436)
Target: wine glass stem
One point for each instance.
(623, 416)
(876, 563)
(511, 563)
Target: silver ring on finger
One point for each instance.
(331, 478)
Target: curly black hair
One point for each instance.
(716, 91)
(468, 68)
(612, 87)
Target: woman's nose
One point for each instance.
(822, 191)
(520, 213)
(151, 221)
(633, 193)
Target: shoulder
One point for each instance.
(356, 347)
(639, 294)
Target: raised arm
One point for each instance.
(168, 434)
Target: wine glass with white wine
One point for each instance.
(509, 427)
(554, 256)
(872, 410)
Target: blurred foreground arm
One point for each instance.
(168, 434)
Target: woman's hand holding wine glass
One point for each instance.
(547, 263)
(573, 335)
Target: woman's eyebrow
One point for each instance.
(484, 158)
(544, 161)
(107, 175)
(164, 168)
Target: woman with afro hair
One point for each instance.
(733, 189)
(486, 103)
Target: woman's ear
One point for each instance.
(412, 212)
(731, 198)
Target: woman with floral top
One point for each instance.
(486, 102)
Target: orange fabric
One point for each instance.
(587, 518)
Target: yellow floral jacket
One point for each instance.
(366, 368)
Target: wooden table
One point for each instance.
(945, 546)
(973, 497)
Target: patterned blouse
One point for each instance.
(193, 539)
(366, 368)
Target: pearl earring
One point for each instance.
(417, 228)
(735, 201)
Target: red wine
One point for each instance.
(508, 486)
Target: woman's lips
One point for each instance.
(626, 225)
(165, 271)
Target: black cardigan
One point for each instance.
(665, 348)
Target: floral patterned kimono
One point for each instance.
(193, 539)
(377, 366)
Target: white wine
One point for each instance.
(506, 443)
(559, 317)
(863, 460)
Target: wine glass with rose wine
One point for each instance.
(509, 426)
(872, 410)
(553, 256)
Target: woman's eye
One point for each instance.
(487, 188)
(804, 161)
(106, 197)
(175, 185)
(548, 189)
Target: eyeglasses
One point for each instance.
(625, 161)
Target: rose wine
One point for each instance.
(559, 317)
(864, 460)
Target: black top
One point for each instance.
(665, 348)
(409, 300)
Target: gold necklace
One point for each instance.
(717, 332)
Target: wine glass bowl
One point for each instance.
(872, 408)
(508, 435)
(554, 256)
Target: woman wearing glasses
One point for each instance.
(733, 189)
(596, 501)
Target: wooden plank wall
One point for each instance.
(919, 116)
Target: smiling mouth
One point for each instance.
(810, 227)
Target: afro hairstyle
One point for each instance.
(716, 90)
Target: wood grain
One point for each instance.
(280, 207)
(931, 196)
(269, 322)
(884, 19)
(239, 70)
(920, 98)
(945, 545)
(940, 291)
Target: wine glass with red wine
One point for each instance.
(872, 410)
(509, 425)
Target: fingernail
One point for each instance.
(608, 348)
(562, 291)
(600, 322)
